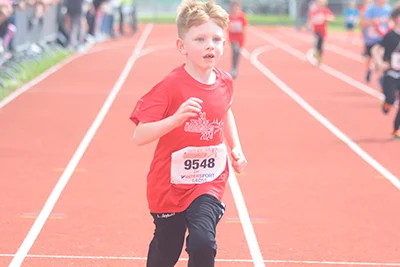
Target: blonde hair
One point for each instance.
(193, 13)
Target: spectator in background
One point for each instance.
(127, 12)
(107, 19)
(93, 15)
(6, 10)
(302, 17)
(17, 5)
(74, 13)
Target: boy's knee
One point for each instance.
(236, 47)
(201, 241)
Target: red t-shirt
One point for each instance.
(202, 132)
(318, 19)
(362, 9)
(236, 27)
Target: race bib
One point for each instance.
(395, 60)
(372, 33)
(197, 165)
(236, 26)
(318, 19)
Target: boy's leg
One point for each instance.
(235, 58)
(168, 239)
(202, 217)
(370, 67)
(319, 42)
(389, 90)
(396, 130)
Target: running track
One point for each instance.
(321, 188)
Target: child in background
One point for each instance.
(319, 16)
(363, 24)
(189, 113)
(386, 55)
(376, 21)
(236, 32)
(351, 18)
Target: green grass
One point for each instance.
(267, 20)
(31, 69)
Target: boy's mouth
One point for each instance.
(209, 56)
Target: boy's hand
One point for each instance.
(382, 66)
(190, 108)
(239, 161)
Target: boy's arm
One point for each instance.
(232, 138)
(148, 132)
(377, 52)
(230, 131)
(330, 16)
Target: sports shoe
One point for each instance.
(386, 107)
(396, 134)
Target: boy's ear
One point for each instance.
(181, 46)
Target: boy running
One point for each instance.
(376, 21)
(237, 25)
(189, 111)
(386, 54)
(351, 17)
(319, 17)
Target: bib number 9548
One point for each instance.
(197, 163)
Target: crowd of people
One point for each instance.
(79, 21)
(88, 20)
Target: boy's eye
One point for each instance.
(217, 39)
(199, 39)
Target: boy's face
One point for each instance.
(381, 2)
(235, 9)
(203, 45)
(320, 4)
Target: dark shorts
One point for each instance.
(391, 85)
(349, 26)
(200, 219)
(367, 50)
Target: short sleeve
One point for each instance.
(385, 42)
(329, 12)
(227, 78)
(245, 21)
(152, 106)
(368, 14)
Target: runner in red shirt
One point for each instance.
(319, 17)
(236, 32)
(189, 111)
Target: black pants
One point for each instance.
(391, 87)
(319, 43)
(235, 55)
(201, 219)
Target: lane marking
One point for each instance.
(320, 118)
(62, 182)
(278, 262)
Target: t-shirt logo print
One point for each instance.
(203, 126)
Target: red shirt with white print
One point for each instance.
(236, 28)
(318, 18)
(191, 160)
